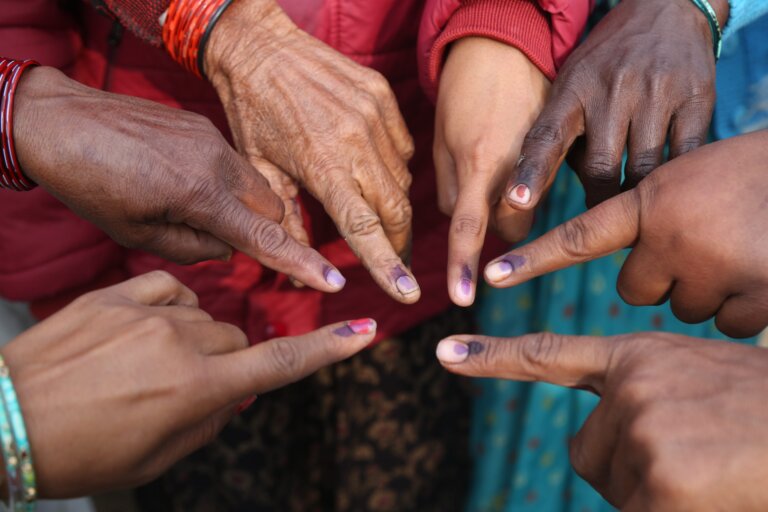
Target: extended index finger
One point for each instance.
(569, 361)
(607, 228)
(544, 148)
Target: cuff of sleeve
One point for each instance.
(518, 23)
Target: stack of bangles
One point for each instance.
(11, 175)
(187, 26)
(19, 471)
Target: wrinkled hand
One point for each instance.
(326, 123)
(490, 95)
(127, 380)
(155, 178)
(699, 239)
(645, 73)
(681, 421)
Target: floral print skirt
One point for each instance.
(385, 430)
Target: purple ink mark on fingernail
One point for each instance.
(466, 273)
(334, 277)
(475, 347)
(405, 283)
(465, 282)
(515, 261)
(460, 349)
(345, 331)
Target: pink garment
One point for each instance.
(568, 19)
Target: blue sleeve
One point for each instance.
(744, 12)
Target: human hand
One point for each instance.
(490, 95)
(325, 122)
(681, 421)
(645, 73)
(125, 381)
(155, 178)
(699, 239)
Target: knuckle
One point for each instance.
(400, 213)
(361, 224)
(538, 352)
(602, 167)
(643, 164)
(378, 84)
(160, 328)
(545, 134)
(287, 360)
(269, 237)
(368, 108)
(467, 225)
(574, 238)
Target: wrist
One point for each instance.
(246, 27)
(35, 86)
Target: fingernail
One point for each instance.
(406, 285)
(498, 270)
(454, 351)
(504, 267)
(521, 194)
(464, 286)
(356, 327)
(451, 351)
(245, 404)
(334, 278)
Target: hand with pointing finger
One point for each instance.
(154, 178)
(698, 239)
(490, 94)
(681, 421)
(127, 380)
(311, 117)
(645, 74)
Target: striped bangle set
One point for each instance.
(187, 26)
(11, 175)
(20, 473)
(714, 24)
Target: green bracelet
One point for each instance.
(714, 24)
(26, 495)
(12, 477)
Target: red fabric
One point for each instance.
(546, 31)
(46, 253)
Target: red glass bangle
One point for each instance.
(188, 24)
(11, 175)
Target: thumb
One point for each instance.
(279, 362)
(607, 228)
(570, 361)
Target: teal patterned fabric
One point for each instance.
(521, 431)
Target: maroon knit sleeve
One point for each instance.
(142, 17)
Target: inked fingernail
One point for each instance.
(521, 194)
(334, 278)
(464, 286)
(356, 327)
(245, 404)
(454, 351)
(504, 267)
(405, 283)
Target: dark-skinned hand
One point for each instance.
(680, 426)
(127, 380)
(644, 75)
(490, 95)
(155, 178)
(699, 239)
(323, 122)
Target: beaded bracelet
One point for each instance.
(22, 486)
(187, 26)
(714, 24)
(11, 175)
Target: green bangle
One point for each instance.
(714, 24)
(9, 457)
(27, 500)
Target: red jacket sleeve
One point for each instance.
(142, 17)
(519, 23)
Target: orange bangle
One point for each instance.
(188, 24)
